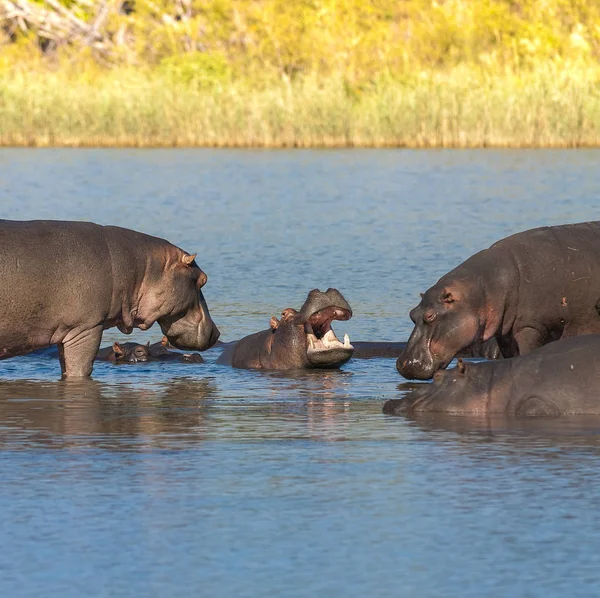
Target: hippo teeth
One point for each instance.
(346, 340)
(329, 338)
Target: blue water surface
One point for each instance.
(168, 479)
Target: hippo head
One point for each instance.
(463, 389)
(447, 319)
(185, 319)
(305, 338)
(131, 352)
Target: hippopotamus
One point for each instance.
(299, 340)
(125, 353)
(561, 378)
(64, 283)
(526, 290)
(161, 352)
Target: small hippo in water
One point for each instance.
(64, 283)
(161, 351)
(301, 339)
(128, 353)
(561, 378)
(125, 353)
(134, 353)
(524, 291)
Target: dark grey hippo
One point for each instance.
(524, 291)
(64, 283)
(561, 378)
(301, 339)
(125, 353)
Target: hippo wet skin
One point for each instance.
(561, 378)
(125, 353)
(301, 339)
(525, 291)
(130, 353)
(64, 283)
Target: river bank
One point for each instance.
(550, 106)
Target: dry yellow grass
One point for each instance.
(550, 106)
(318, 73)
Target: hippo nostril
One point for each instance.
(429, 317)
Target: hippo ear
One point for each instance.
(288, 314)
(118, 349)
(148, 344)
(422, 295)
(202, 278)
(188, 259)
(461, 366)
(447, 297)
(274, 323)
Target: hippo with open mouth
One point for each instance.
(299, 340)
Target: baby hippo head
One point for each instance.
(305, 338)
(130, 352)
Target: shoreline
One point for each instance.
(85, 145)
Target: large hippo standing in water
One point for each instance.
(525, 291)
(64, 283)
(301, 339)
(560, 378)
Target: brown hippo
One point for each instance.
(125, 353)
(301, 339)
(64, 283)
(161, 352)
(525, 291)
(558, 379)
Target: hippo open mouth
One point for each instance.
(324, 348)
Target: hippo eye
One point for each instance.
(429, 316)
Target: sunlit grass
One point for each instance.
(550, 106)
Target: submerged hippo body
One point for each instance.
(121, 353)
(63, 283)
(301, 339)
(524, 291)
(161, 351)
(562, 378)
(125, 353)
(128, 353)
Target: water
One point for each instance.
(199, 480)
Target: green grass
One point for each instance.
(549, 106)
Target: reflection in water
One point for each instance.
(510, 433)
(88, 413)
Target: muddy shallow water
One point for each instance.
(196, 479)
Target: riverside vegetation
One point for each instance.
(300, 73)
